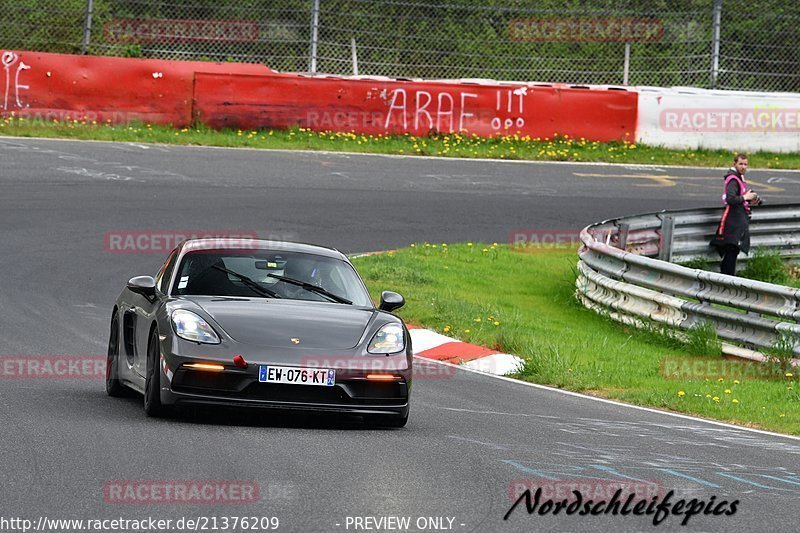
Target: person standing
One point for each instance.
(733, 231)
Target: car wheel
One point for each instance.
(152, 384)
(113, 385)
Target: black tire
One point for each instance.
(114, 387)
(152, 384)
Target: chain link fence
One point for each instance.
(727, 44)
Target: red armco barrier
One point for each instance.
(374, 106)
(54, 86)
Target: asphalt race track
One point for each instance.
(470, 437)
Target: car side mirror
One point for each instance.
(391, 301)
(144, 285)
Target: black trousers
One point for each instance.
(729, 254)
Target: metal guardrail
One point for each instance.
(628, 269)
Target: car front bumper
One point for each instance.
(352, 392)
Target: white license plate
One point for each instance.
(297, 376)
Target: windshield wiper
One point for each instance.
(250, 283)
(312, 288)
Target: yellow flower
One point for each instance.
(716, 399)
(782, 415)
(413, 245)
(720, 380)
(496, 323)
(735, 381)
(734, 401)
(789, 374)
(469, 244)
(478, 319)
(708, 396)
(681, 393)
(727, 391)
(466, 331)
(446, 329)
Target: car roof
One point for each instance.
(232, 244)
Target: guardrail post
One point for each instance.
(665, 245)
(622, 236)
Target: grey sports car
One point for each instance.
(255, 323)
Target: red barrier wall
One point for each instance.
(54, 86)
(416, 107)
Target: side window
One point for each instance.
(164, 275)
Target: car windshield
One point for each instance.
(256, 273)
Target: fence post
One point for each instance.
(627, 67)
(314, 37)
(355, 55)
(717, 26)
(87, 27)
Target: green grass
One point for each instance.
(768, 266)
(700, 264)
(524, 303)
(510, 147)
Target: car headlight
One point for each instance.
(193, 328)
(388, 339)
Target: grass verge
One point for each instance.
(523, 303)
(510, 147)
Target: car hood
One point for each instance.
(274, 323)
